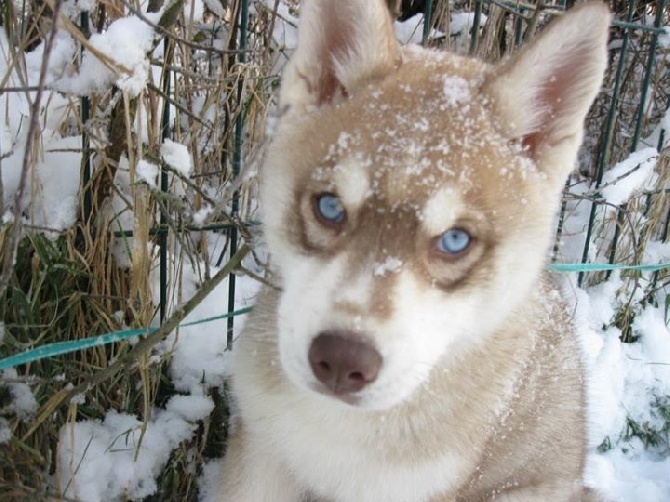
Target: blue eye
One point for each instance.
(329, 208)
(454, 241)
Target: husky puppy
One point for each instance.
(415, 349)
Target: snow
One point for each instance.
(456, 91)
(117, 458)
(116, 56)
(177, 157)
(111, 460)
(201, 215)
(462, 22)
(390, 265)
(410, 31)
(216, 7)
(50, 197)
(23, 403)
(201, 361)
(284, 34)
(624, 380)
(147, 172)
(60, 60)
(195, 9)
(628, 176)
(639, 481)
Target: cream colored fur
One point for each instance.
(480, 395)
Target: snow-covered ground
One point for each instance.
(100, 461)
(624, 381)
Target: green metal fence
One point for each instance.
(628, 115)
(629, 111)
(637, 28)
(229, 160)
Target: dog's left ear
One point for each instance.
(543, 94)
(341, 44)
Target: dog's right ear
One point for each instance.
(341, 44)
(543, 93)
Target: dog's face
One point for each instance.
(405, 216)
(408, 205)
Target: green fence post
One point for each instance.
(237, 163)
(621, 211)
(163, 236)
(427, 21)
(474, 37)
(607, 137)
(85, 114)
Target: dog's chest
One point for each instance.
(358, 462)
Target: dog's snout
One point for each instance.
(344, 362)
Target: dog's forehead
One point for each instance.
(425, 126)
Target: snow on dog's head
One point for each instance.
(409, 195)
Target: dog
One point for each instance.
(415, 348)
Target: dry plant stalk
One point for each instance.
(109, 294)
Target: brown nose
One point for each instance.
(343, 362)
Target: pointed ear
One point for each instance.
(341, 44)
(543, 93)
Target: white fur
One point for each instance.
(425, 324)
(442, 211)
(319, 439)
(352, 178)
(312, 285)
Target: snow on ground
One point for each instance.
(624, 381)
(201, 360)
(117, 457)
(121, 457)
(411, 30)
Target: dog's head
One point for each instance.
(409, 195)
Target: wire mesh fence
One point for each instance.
(627, 117)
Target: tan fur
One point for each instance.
(436, 141)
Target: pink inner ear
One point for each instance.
(329, 87)
(337, 43)
(530, 142)
(554, 100)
